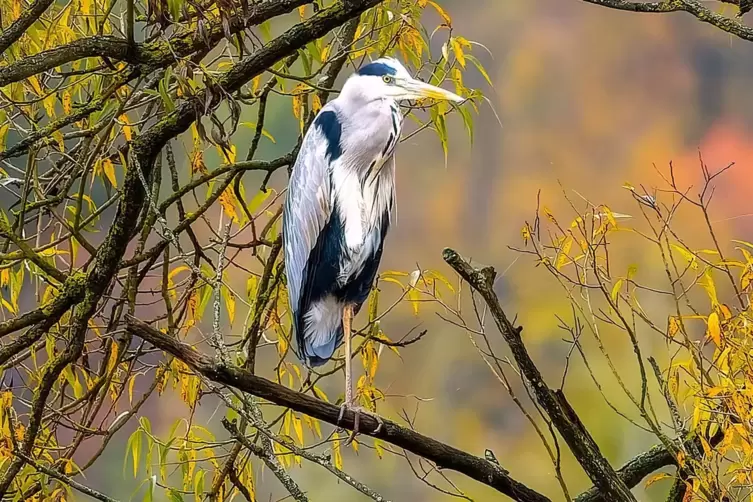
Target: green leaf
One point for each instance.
(165, 94)
(465, 113)
(198, 486)
(632, 270)
(174, 495)
(480, 68)
(149, 495)
(252, 284)
(264, 132)
(133, 446)
(616, 290)
(441, 126)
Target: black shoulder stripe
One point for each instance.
(330, 126)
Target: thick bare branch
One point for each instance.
(443, 455)
(579, 440)
(693, 7)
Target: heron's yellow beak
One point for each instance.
(415, 89)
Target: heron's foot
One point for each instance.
(358, 411)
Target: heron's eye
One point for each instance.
(387, 79)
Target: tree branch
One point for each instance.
(268, 457)
(65, 479)
(154, 55)
(443, 455)
(694, 7)
(20, 25)
(295, 38)
(317, 459)
(104, 46)
(634, 471)
(563, 417)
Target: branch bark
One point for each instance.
(20, 25)
(693, 7)
(154, 55)
(634, 471)
(443, 455)
(563, 417)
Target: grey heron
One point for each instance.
(338, 208)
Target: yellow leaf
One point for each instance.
(414, 296)
(131, 381)
(109, 171)
(298, 427)
(67, 102)
(49, 105)
(616, 290)
(706, 281)
(177, 270)
(58, 136)
(657, 477)
(690, 257)
(6, 399)
(197, 162)
(745, 278)
(4, 128)
(227, 201)
(229, 303)
(457, 49)
(113, 357)
(127, 129)
(714, 330)
(562, 256)
(298, 103)
(445, 18)
(316, 103)
(673, 328)
(35, 85)
(726, 312)
(197, 155)
(336, 450)
(526, 233)
(264, 132)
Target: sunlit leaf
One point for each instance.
(714, 330)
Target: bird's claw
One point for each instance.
(357, 411)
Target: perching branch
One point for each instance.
(443, 455)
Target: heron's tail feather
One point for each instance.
(322, 330)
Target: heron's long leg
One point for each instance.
(347, 320)
(350, 401)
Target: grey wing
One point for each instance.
(307, 209)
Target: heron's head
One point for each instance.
(387, 78)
